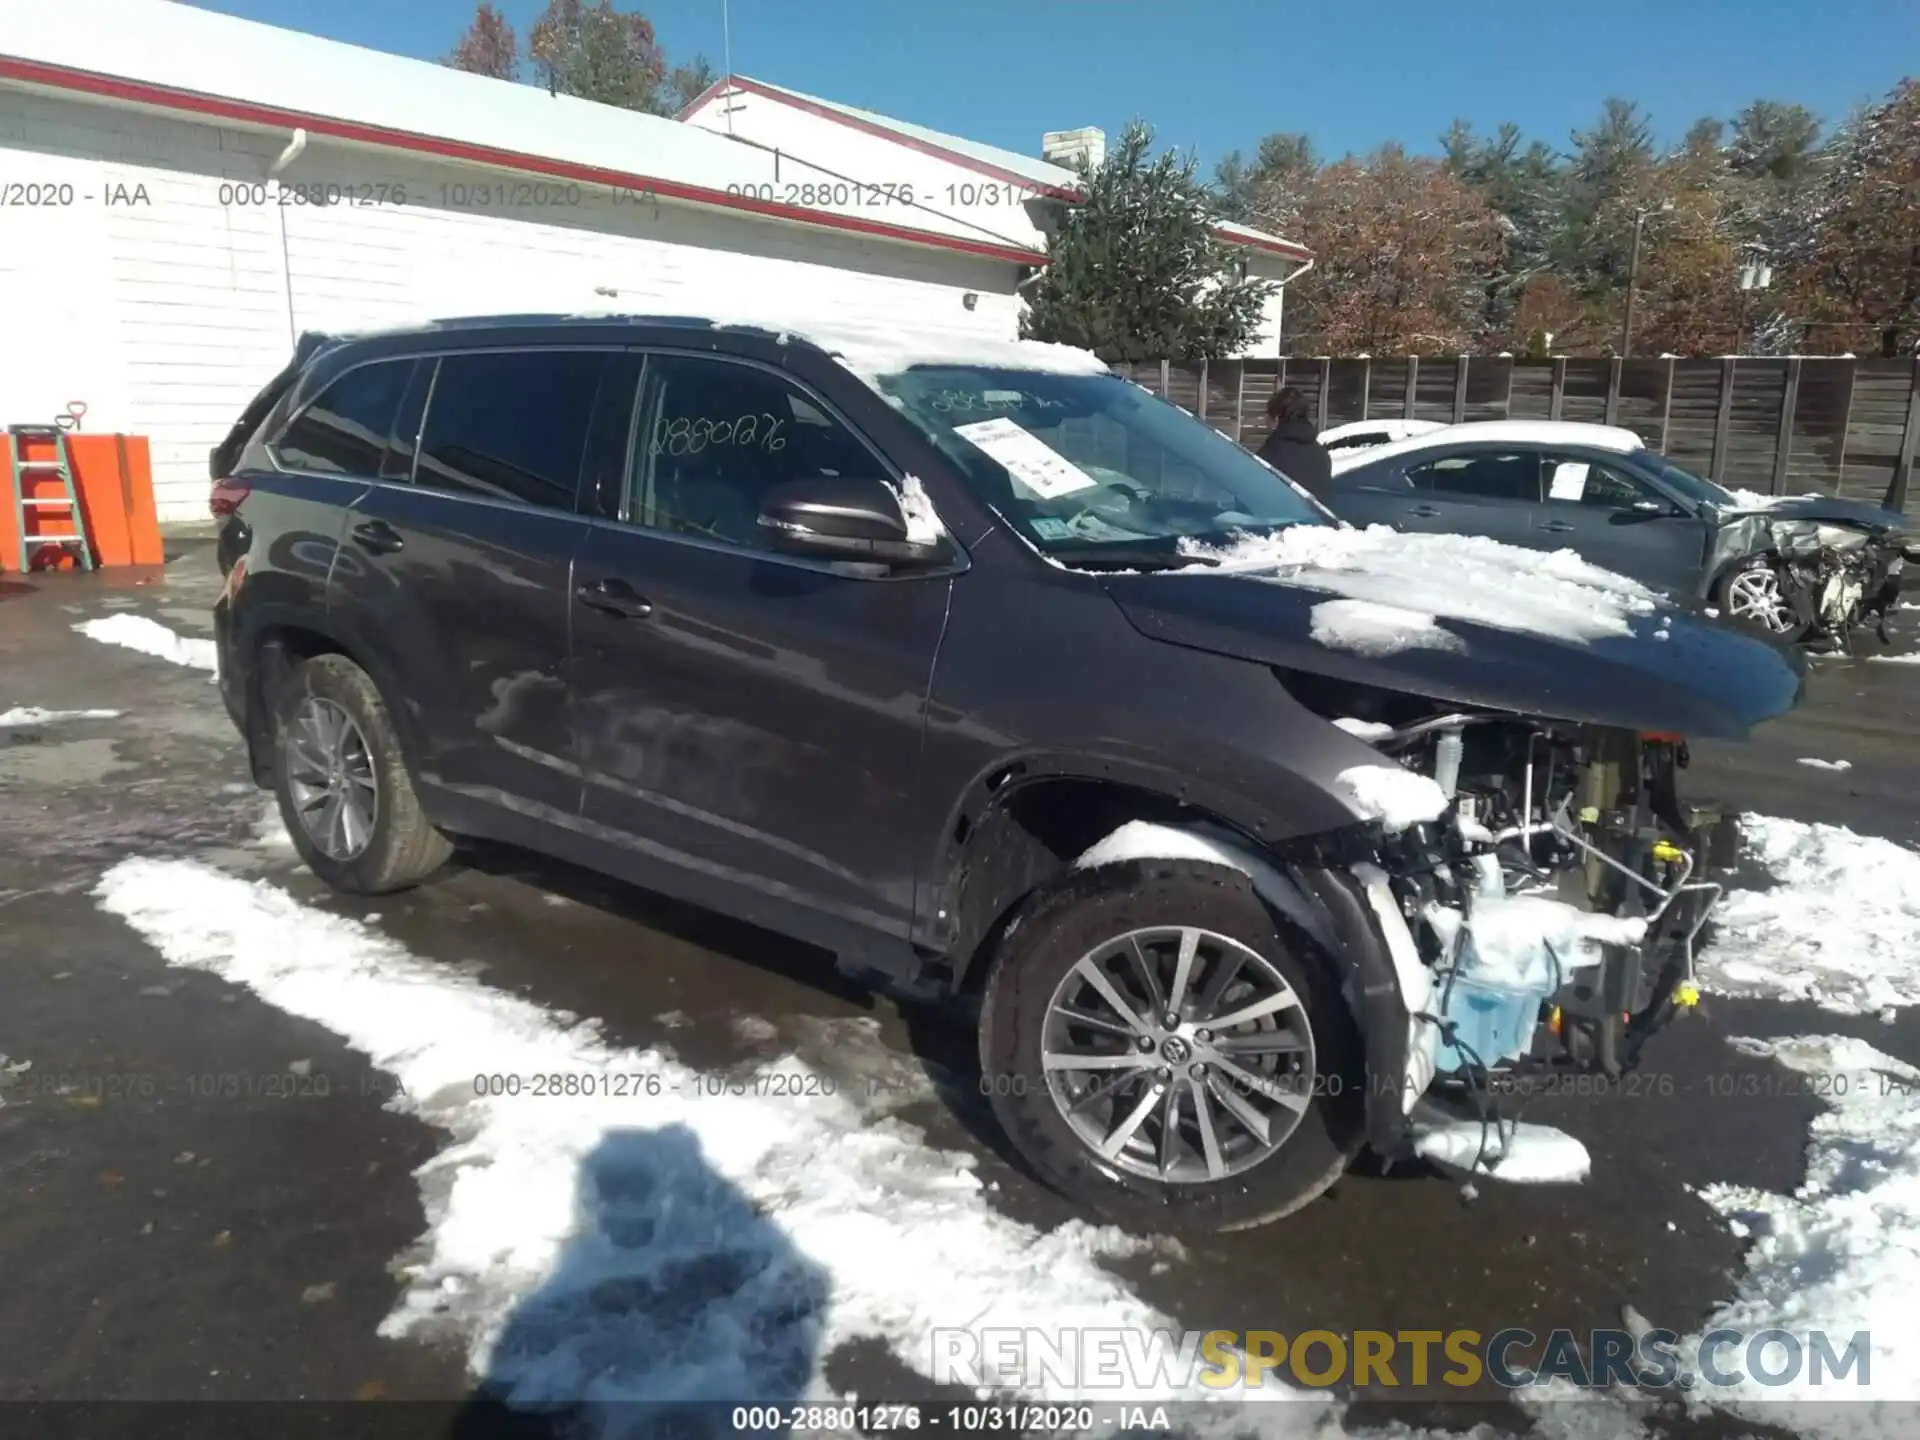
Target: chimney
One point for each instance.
(1069, 147)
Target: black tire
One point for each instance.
(1796, 629)
(403, 848)
(1059, 925)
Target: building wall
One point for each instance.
(164, 304)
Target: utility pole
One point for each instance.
(1633, 272)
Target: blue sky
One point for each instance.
(1213, 75)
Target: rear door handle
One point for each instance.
(377, 537)
(1558, 527)
(1425, 512)
(616, 598)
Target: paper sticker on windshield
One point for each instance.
(1028, 458)
(1050, 529)
(1569, 481)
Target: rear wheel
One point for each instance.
(345, 795)
(1751, 594)
(1161, 1052)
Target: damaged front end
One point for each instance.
(1554, 907)
(1811, 576)
(1839, 577)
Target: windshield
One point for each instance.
(1092, 467)
(1687, 483)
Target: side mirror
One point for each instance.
(836, 518)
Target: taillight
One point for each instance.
(226, 497)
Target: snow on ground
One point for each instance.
(150, 637)
(1840, 927)
(1369, 629)
(34, 715)
(1913, 659)
(1458, 577)
(674, 1241)
(1826, 764)
(1840, 1253)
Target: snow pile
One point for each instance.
(1841, 927)
(1839, 1255)
(665, 1241)
(1529, 942)
(1370, 629)
(1363, 729)
(1826, 764)
(1395, 797)
(1459, 577)
(1897, 659)
(150, 637)
(34, 715)
(1522, 1153)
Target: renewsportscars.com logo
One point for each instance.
(1158, 1361)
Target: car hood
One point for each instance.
(1469, 621)
(1831, 508)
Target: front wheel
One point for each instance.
(1752, 594)
(1161, 1052)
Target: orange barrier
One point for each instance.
(114, 477)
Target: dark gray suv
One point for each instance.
(1260, 841)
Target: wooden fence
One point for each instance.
(1781, 427)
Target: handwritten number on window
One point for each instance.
(688, 436)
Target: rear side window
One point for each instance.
(1482, 477)
(345, 431)
(511, 425)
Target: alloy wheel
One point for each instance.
(1178, 1054)
(331, 779)
(1756, 595)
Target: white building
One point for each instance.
(999, 196)
(182, 193)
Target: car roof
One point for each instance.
(1399, 428)
(1501, 432)
(869, 347)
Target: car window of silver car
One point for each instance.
(1581, 480)
(1481, 475)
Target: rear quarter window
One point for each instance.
(346, 431)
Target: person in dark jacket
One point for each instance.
(1294, 447)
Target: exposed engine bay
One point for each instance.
(1555, 905)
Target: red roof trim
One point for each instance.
(60, 77)
(1274, 246)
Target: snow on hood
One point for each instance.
(1369, 629)
(1457, 577)
(1838, 927)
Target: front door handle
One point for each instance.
(1558, 527)
(377, 537)
(616, 598)
(1425, 512)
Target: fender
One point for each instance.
(1157, 791)
(267, 662)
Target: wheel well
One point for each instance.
(1028, 833)
(276, 652)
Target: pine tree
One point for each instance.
(1135, 272)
